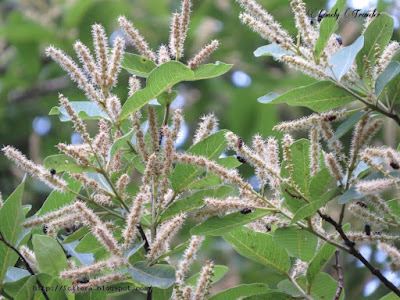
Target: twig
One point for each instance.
(298, 287)
(28, 267)
(353, 251)
(339, 270)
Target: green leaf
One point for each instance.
(390, 296)
(386, 76)
(259, 247)
(89, 244)
(160, 294)
(217, 226)
(346, 126)
(327, 27)
(379, 32)
(161, 78)
(80, 233)
(342, 60)
(319, 96)
(319, 261)
(166, 98)
(194, 201)
(268, 98)
(302, 177)
(12, 288)
(49, 255)
(27, 292)
(394, 206)
(211, 147)
(393, 89)
(271, 295)
(210, 71)
(57, 199)
(324, 287)
(11, 218)
(122, 142)
(62, 163)
(161, 276)
(93, 295)
(137, 65)
(219, 272)
(241, 291)
(311, 208)
(210, 180)
(319, 184)
(273, 50)
(164, 77)
(85, 110)
(53, 284)
(298, 242)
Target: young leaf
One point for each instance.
(241, 291)
(342, 60)
(259, 247)
(49, 255)
(158, 81)
(379, 32)
(327, 28)
(319, 261)
(386, 76)
(319, 96)
(11, 218)
(85, 110)
(311, 208)
(194, 201)
(161, 276)
(273, 50)
(211, 147)
(220, 226)
(299, 243)
(137, 65)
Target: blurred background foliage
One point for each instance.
(29, 83)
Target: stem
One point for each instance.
(338, 268)
(353, 251)
(374, 107)
(28, 267)
(298, 287)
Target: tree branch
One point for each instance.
(28, 267)
(353, 251)
(338, 268)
